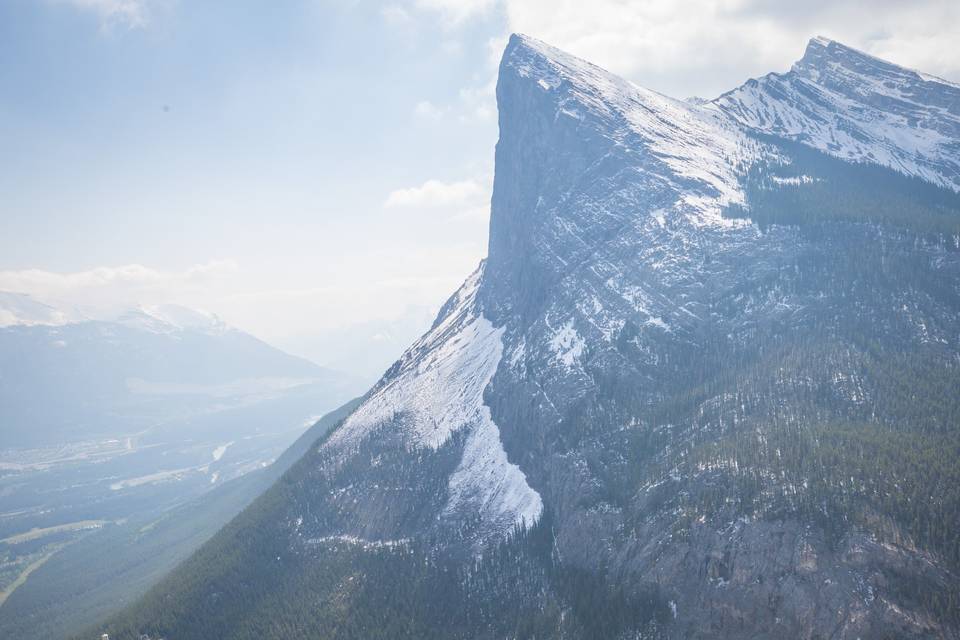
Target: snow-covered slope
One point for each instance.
(436, 390)
(858, 108)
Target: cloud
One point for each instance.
(479, 104)
(365, 286)
(708, 46)
(429, 111)
(436, 193)
(397, 16)
(473, 104)
(132, 14)
(103, 291)
(455, 12)
(705, 47)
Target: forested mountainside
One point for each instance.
(704, 386)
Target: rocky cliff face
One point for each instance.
(645, 394)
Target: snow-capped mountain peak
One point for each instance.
(697, 147)
(859, 108)
(565, 122)
(825, 55)
(167, 318)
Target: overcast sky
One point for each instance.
(310, 165)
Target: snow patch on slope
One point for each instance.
(486, 482)
(440, 388)
(567, 345)
(437, 391)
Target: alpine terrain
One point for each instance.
(705, 385)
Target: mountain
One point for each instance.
(146, 367)
(704, 385)
(859, 108)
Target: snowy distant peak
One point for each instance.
(169, 318)
(186, 318)
(822, 53)
(22, 309)
(864, 78)
(859, 108)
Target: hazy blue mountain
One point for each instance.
(81, 380)
(704, 385)
(363, 349)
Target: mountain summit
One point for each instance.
(859, 108)
(701, 387)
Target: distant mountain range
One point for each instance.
(363, 349)
(703, 386)
(64, 378)
(125, 443)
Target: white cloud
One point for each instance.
(479, 103)
(396, 15)
(366, 286)
(129, 13)
(708, 46)
(104, 291)
(436, 193)
(473, 105)
(705, 47)
(428, 110)
(455, 12)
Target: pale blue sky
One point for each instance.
(304, 165)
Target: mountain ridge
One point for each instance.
(727, 425)
(857, 107)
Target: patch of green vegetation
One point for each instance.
(809, 187)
